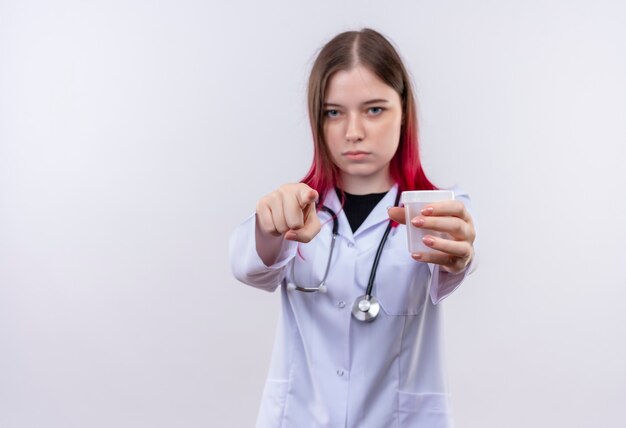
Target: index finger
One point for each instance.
(297, 210)
(447, 208)
(306, 196)
(311, 228)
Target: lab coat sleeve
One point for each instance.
(444, 283)
(246, 264)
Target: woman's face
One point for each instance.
(362, 120)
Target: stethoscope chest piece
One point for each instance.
(365, 308)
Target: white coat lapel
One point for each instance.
(332, 201)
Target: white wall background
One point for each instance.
(135, 135)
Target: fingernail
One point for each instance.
(416, 256)
(428, 241)
(427, 211)
(417, 221)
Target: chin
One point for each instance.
(359, 171)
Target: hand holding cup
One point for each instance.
(439, 231)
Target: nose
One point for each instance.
(354, 131)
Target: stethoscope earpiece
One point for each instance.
(322, 288)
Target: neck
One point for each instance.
(365, 185)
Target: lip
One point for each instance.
(356, 154)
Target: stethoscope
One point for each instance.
(365, 307)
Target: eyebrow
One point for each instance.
(368, 102)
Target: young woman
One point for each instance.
(339, 361)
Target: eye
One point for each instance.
(331, 113)
(375, 111)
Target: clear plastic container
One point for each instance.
(413, 202)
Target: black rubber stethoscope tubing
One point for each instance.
(379, 251)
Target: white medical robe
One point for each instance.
(330, 370)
